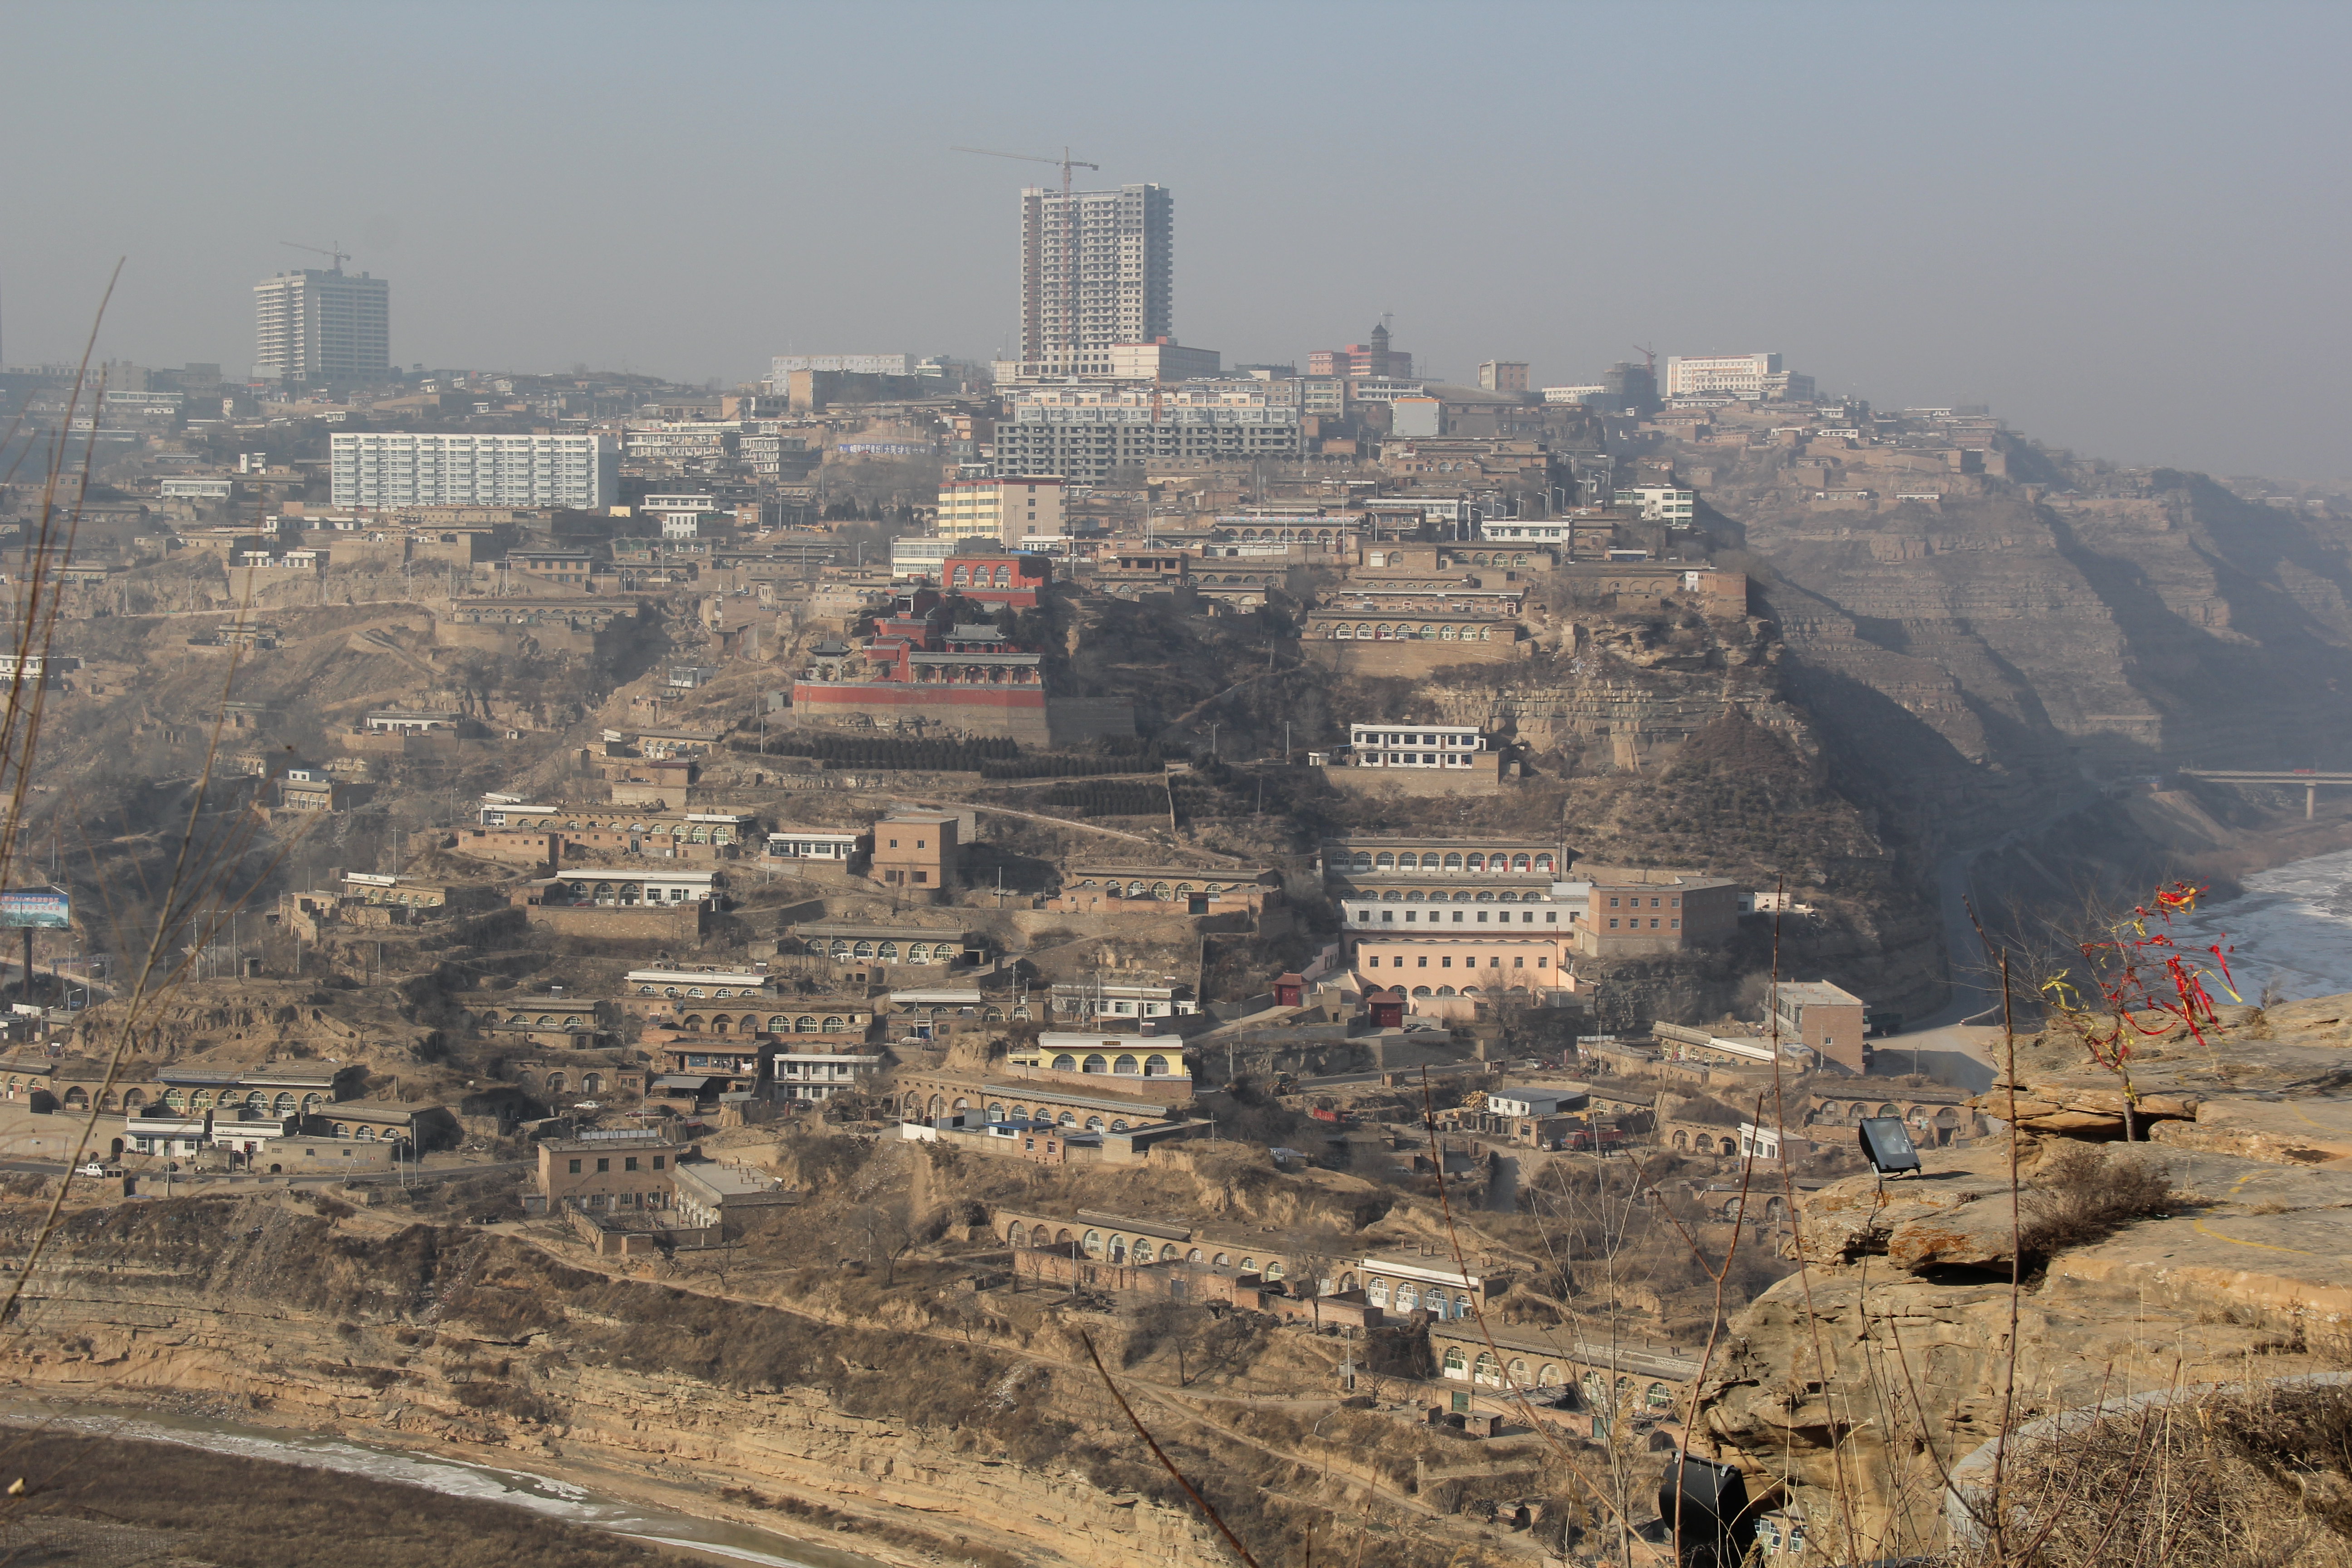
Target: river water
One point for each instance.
(454, 1478)
(2293, 926)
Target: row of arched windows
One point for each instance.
(560, 1083)
(977, 577)
(1492, 1370)
(939, 1105)
(1407, 1295)
(1919, 1115)
(1125, 1066)
(1116, 1246)
(133, 1102)
(691, 833)
(1141, 890)
(1280, 535)
(979, 674)
(1458, 896)
(1521, 863)
(778, 1023)
(886, 951)
(261, 1102)
(1384, 631)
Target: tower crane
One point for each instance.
(1649, 357)
(339, 254)
(1065, 162)
(1069, 230)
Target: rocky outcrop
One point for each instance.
(2272, 1084)
(1854, 1383)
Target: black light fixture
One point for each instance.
(1706, 1510)
(1887, 1145)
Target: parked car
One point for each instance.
(92, 1168)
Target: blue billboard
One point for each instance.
(35, 908)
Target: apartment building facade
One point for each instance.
(1098, 267)
(1639, 914)
(1086, 434)
(321, 326)
(403, 468)
(1006, 509)
(1418, 746)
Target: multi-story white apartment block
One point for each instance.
(1422, 746)
(1006, 509)
(683, 440)
(920, 555)
(389, 469)
(681, 515)
(142, 407)
(315, 326)
(197, 490)
(783, 365)
(1553, 531)
(1162, 361)
(1098, 267)
(1661, 503)
(1751, 377)
(1084, 433)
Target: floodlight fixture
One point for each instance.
(1886, 1143)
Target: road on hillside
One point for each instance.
(1974, 991)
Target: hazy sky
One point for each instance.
(2122, 227)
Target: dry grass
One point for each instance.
(2083, 1194)
(2228, 1480)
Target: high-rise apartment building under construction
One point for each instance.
(1098, 267)
(322, 326)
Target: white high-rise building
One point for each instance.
(1098, 267)
(391, 468)
(1751, 377)
(322, 326)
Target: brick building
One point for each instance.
(914, 855)
(609, 1171)
(1634, 913)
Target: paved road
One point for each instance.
(248, 1178)
(1974, 992)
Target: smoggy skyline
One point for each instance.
(2112, 224)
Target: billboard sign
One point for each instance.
(35, 908)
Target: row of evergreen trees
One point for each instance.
(843, 751)
(1108, 797)
(1066, 766)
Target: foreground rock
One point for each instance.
(1890, 1355)
(2273, 1084)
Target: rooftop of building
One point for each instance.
(1816, 994)
(617, 1139)
(721, 1180)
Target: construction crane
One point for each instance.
(1069, 229)
(1649, 357)
(1065, 162)
(339, 254)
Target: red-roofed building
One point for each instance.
(998, 578)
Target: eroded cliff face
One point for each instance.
(1980, 656)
